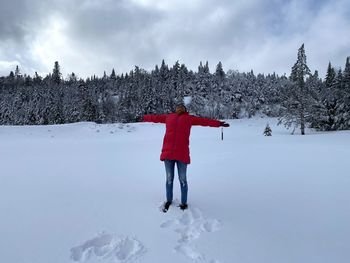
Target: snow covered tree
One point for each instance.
(11, 77)
(344, 105)
(149, 98)
(50, 99)
(330, 75)
(268, 130)
(72, 78)
(201, 92)
(56, 73)
(346, 79)
(37, 79)
(325, 112)
(219, 72)
(17, 73)
(165, 90)
(297, 97)
(177, 82)
(113, 75)
(88, 102)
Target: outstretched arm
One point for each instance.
(161, 118)
(208, 122)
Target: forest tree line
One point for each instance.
(302, 99)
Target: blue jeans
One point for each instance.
(181, 169)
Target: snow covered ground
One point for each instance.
(91, 193)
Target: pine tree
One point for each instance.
(17, 73)
(72, 78)
(37, 79)
(166, 92)
(318, 113)
(326, 115)
(149, 98)
(11, 77)
(56, 73)
(330, 75)
(113, 75)
(346, 95)
(88, 103)
(297, 97)
(204, 82)
(346, 79)
(219, 72)
(176, 84)
(268, 130)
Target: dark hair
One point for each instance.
(181, 105)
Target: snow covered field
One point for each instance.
(91, 193)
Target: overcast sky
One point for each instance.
(90, 36)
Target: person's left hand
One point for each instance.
(224, 124)
(139, 119)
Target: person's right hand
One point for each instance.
(224, 124)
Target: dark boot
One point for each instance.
(166, 206)
(183, 206)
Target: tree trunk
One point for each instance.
(302, 123)
(302, 128)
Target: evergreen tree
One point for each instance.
(72, 78)
(37, 79)
(17, 73)
(88, 103)
(297, 97)
(345, 103)
(219, 72)
(346, 79)
(330, 75)
(11, 77)
(113, 75)
(326, 114)
(56, 73)
(317, 111)
(176, 84)
(166, 92)
(104, 75)
(267, 131)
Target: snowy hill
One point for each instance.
(91, 193)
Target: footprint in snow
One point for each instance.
(169, 223)
(189, 251)
(110, 247)
(190, 226)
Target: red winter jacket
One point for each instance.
(177, 135)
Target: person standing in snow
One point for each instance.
(175, 148)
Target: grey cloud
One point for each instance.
(12, 17)
(20, 22)
(19, 18)
(244, 35)
(100, 22)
